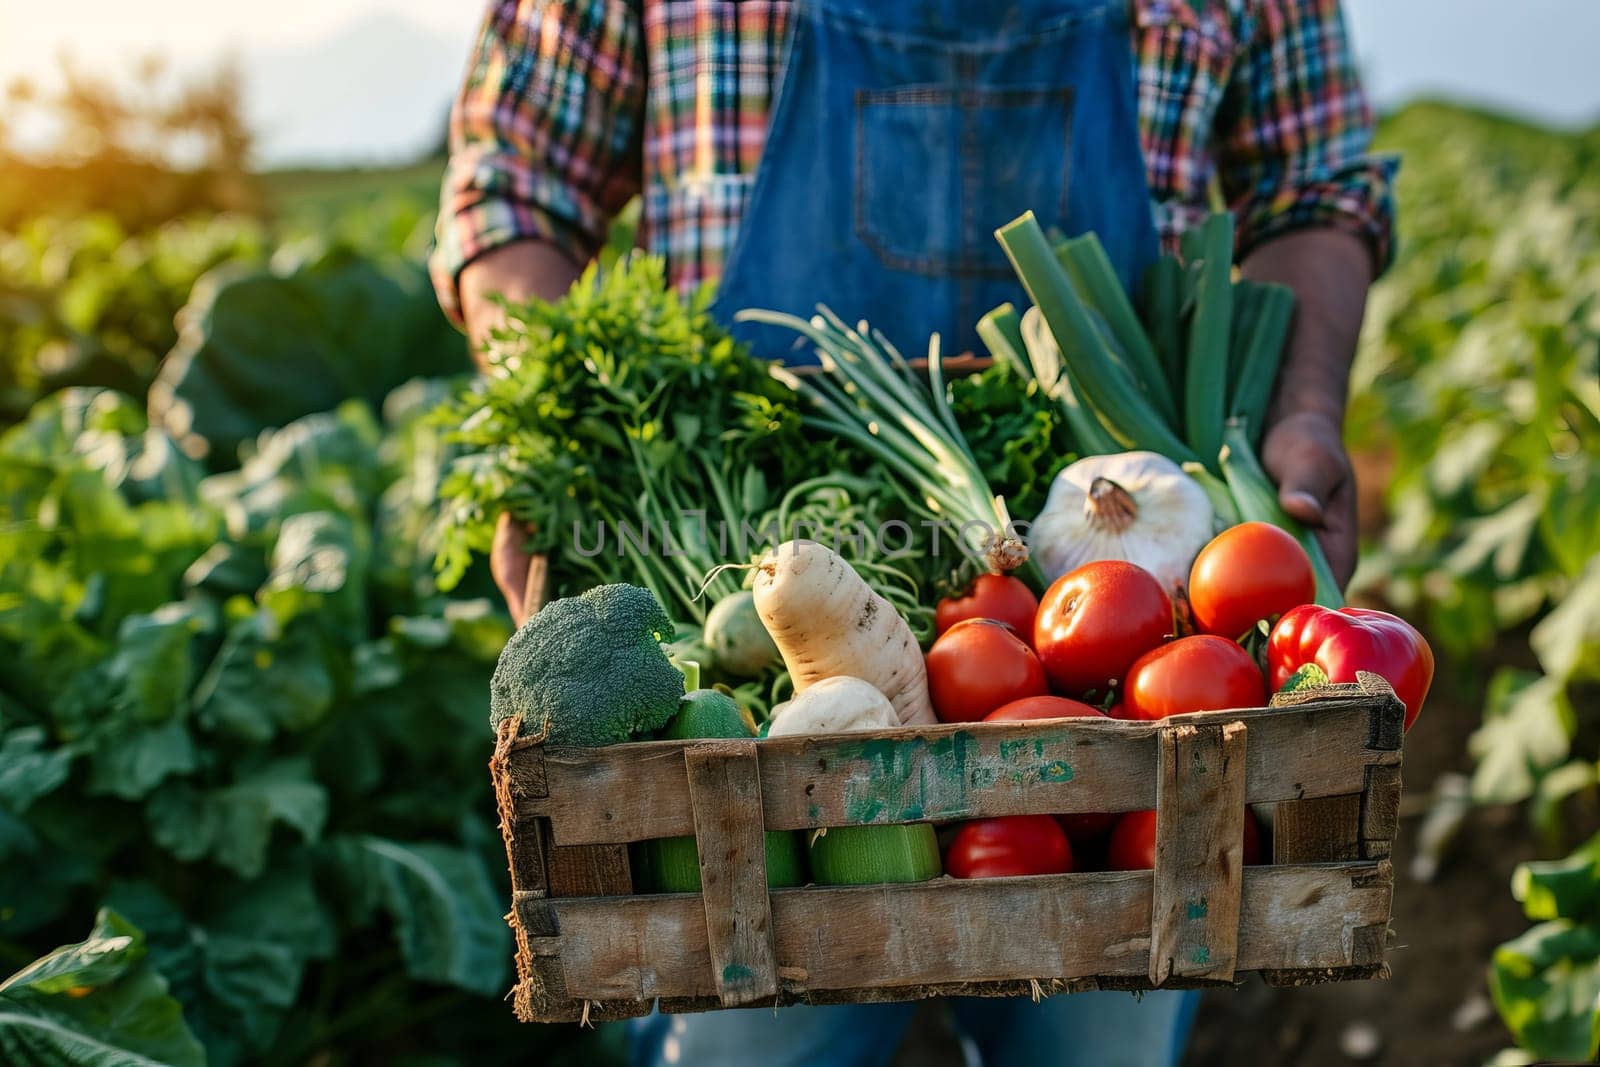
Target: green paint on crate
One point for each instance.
(1056, 771)
(915, 779)
(1197, 909)
(1200, 956)
(734, 973)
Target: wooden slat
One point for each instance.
(1380, 812)
(1324, 830)
(639, 791)
(1200, 808)
(589, 870)
(1071, 926)
(725, 793)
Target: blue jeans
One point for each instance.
(1102, 1029)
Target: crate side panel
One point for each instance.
(639, 791)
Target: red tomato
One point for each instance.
(1086, 826)
(991, 596)
(1249, 572)
(978, 665)
(1200, 673)
(1009, 845)
(1095, 621)
(1133, 842)
(1031, 708)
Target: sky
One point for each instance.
(335, 81)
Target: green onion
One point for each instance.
(1044, 355)
(1097, 380)
(1086, 263)
(1259, 354)
(1001, 331)
(1209, 251)
(1258, 502)
(1222, 502)
(1163, 317)
(871, 397)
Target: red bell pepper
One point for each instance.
(1009, 845)
(1343, 642)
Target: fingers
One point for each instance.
(1339, 535)
(1306, 458)
(508, 563)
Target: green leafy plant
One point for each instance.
(260, 348)
(1477, 394)
(97, 1001)
(237, 710)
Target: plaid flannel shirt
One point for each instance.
(570, 107)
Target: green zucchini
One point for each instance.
(672, 864)
(869, 855)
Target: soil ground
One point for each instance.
(1434, 1009)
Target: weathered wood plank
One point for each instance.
(1323, 830)
(725, 793)
(1380, 811)
(1072, 926)
(1200, 808)
(639, 791)
(586, 870)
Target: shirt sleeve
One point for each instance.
(1294, 132)
(544, 134)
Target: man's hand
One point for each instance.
(1303, 447)
(509, 562)
(518, 271)
(1305, 455)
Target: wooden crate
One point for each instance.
(588, 948)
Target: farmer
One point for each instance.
(860, 153)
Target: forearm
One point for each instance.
(1330, 271)
(519, 271)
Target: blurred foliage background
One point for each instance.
(241, 725)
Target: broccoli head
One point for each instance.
(589, 669)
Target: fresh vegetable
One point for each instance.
(1032, 709)
(1134, 506)
(1251, 572)
(833, 706)
(872, 399)
(1102, 384)
(708, 713)
(991, 596)
(827, 622)
(1340, 643)
(1132, 846)
(1199, 673)
(979, 665)
(1009, 846)
(589, 670)
(632, 436)
(873, 855)
(740, 646)
(1095, 621)
(672, 864)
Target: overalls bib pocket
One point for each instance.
(934, 162)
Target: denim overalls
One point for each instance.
(906, 131)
